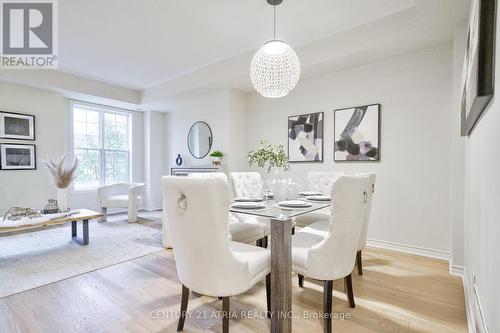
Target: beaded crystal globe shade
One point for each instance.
(275, 69)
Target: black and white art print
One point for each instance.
(479, 64)
(17, 126)
(305, 138)
(357, 133)
(17, 157)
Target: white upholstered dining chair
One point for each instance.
(245, 229)
(366, 222)
(121, 195)
(249, 185)
(326, 250)
(207, 262)
(320, 181)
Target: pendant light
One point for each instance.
(275, 68)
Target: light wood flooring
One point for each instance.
(397, 293)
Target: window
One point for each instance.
(101, 142)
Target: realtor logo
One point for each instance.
(28, 34)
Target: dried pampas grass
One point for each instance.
(63, 175)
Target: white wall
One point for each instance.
(154, 157)
(482, 210)
(412, 201)
(32, 188)
(224, 111)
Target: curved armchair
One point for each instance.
(121, 195)
(326, 250)
(197, 212)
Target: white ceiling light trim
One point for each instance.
(275, 68)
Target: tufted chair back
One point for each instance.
(246, 184)
(335, 256)
(323, 181)
(197, 211)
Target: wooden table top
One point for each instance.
(84, 214)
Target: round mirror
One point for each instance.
(199, 139)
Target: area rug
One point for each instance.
(38, 258)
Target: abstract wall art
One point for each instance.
(479, 62)
(305, 138)
(17, 156)
(17, 126)
(357, 133)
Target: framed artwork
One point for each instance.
(305, 137)
(17, 126)
(357, 133)
(15, 156)
(479, 64)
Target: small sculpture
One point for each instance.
(17, 213)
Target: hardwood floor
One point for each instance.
(397, 293)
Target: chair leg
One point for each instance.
(327, 306)
(301, 281)
(268, 294)
(104, 212)
(359, 262)
(350, 294)
(265, 242)
(293, 230)
(184, 304)
(225, 315)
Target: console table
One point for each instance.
(184, 172)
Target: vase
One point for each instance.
(178, 160)
(216, 161)
(279, 184)
(63, 198)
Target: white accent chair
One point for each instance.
(366, 221)
(323, 182)
(121, 195)
(242, 228)
(326, 250)
(207, 262)
(249, 184)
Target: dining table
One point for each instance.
(281, 253)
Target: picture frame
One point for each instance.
(356, 133)
(17, 156)
(478, 71)
(306, 138)
(17, 126)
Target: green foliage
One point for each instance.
(216, 153)
(272, 155)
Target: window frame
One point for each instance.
(102, 109)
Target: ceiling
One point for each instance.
(137, 44)
(150, 52)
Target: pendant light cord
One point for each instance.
(274, 21)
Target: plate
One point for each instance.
(248, 205)
(294, 204)
(246, 199)
(319, 198)
(309, 193)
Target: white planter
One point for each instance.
(63, 199)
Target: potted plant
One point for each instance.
(276, 160)
(216, 156)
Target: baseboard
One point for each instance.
(411, 249)
(456, 270)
